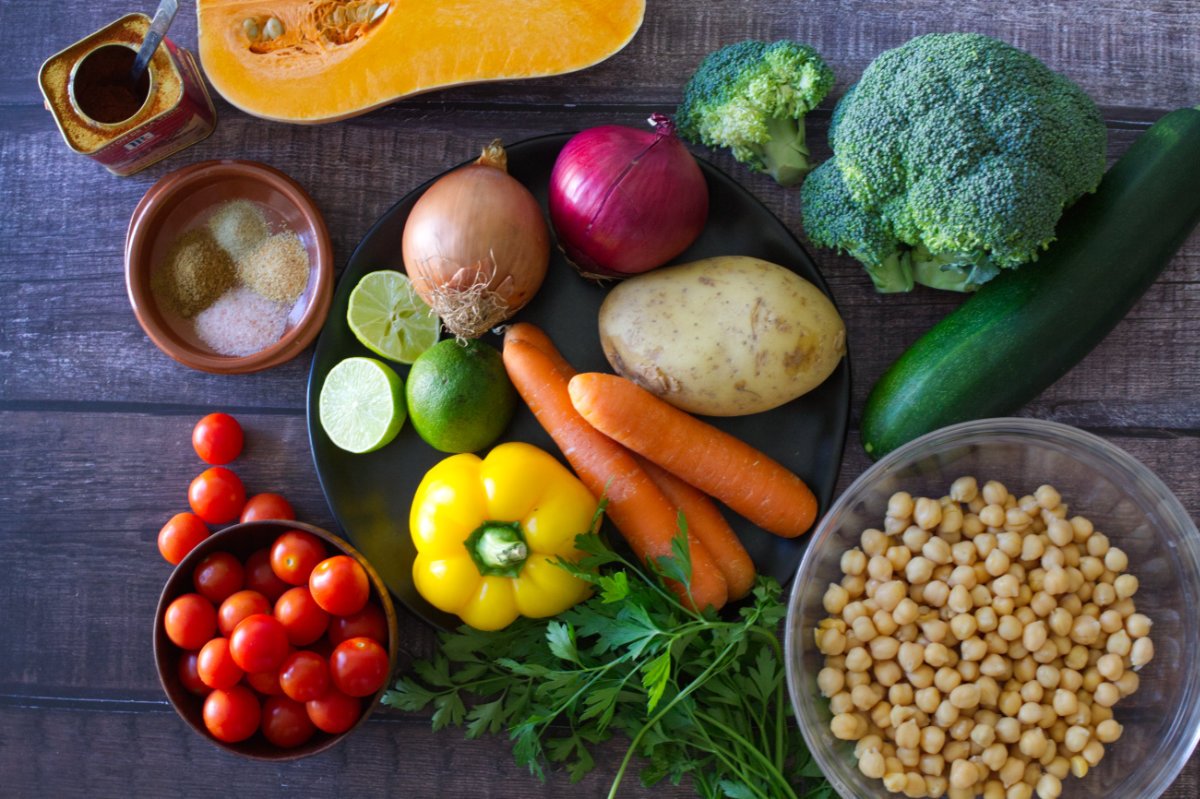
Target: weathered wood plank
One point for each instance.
(1140, 55)
(59, 751)
(70, 297)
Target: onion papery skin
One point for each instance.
(624, 201)
(476, 248)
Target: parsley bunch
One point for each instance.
(694, 694)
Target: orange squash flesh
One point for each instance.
(328, 65)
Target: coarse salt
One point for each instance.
(241, 322)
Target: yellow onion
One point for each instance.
(476, 246)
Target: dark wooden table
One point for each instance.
(95, 421)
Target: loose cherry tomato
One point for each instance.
(334, 712)
(217, 438)
(218, 577)
(265, 682)
(189, 677)
(267, 507)
(359, 666)
(259, 643)
(190, 621)
(261, 577)
(232, 714)
(215, 665)
(294, 554)
(301, 616)
(304, 676)
(217, 495)
(339, 585)
(180, 535)
(285, 722)
(238, 606)
(367, 623)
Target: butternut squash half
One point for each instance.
(315, 61)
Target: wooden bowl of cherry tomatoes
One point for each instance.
(275, 639)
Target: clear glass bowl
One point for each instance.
(1123, 499)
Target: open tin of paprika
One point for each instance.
(104, 115)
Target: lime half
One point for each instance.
(361, 407)
(389, 318)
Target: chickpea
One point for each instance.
(1119, 643)
(1106, 694)
(946, 679)
(922, 677)
(915, 785)
(1076, 739)
(900, 505)
(1048, 676)
(1116, 560)
(1033, 743)
(1034, 636)
(1091, 568)
(898, 557)
(951, 525)
(932, 740)
(1141, 653)
(831, 642)
(1085, 630)
(830, 681)
(1126, 586)
(1049, 786)
(1017, 519)
(1010, 628)
(914, 537)
(874, 542)
(965, 697)
(1012, 772)
(864, 697)
(888, 673)
(1032, 548)
(857, 659)
(946, 714)
(895, 781)
(1079, 767)
(992, 516)
(883, 648)
(871, 764)
(890, 594)
(880, 568)
(1006, 586)
(1065, 702)
(1093, 753)
(927, 513)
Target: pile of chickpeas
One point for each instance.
(976, 644)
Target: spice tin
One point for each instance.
(103, 116)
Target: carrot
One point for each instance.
(724, 467)
(537, 338)
(705, 520)
(640, 511)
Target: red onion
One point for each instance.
(624, 201)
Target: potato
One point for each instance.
(724, 336)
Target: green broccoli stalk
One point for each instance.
(965, 151)
(752, 98)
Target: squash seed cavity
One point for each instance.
(323, 24)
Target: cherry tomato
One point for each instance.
(217, 438)
(267, 507)
(285, 722)
(180, 535)
(301, 616)
(259, 643)
(215, 665)
(265, 682)
(238, 606)
(359, 666)
(190, 621)
(367, 623)
(334, 712)
(304, 676)
(294, 554)
(218, 577)
(232, 714)
(339, 585)
(189, 677)
(261, 577)
(217, 495)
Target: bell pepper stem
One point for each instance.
(498, 548)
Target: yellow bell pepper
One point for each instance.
(487, 533)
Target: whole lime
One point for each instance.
(459, 396)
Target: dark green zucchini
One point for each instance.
(1027, 327)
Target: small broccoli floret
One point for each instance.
(967, 150)
(752, 97)
(833, 219)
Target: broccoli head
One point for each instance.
(966, 150)
(752, 97)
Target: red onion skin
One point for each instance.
(624, 201)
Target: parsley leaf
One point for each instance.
(697, 695)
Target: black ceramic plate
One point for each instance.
(370, 494)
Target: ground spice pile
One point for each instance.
(195, 273)
(237, 280)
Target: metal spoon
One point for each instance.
(158, 29)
